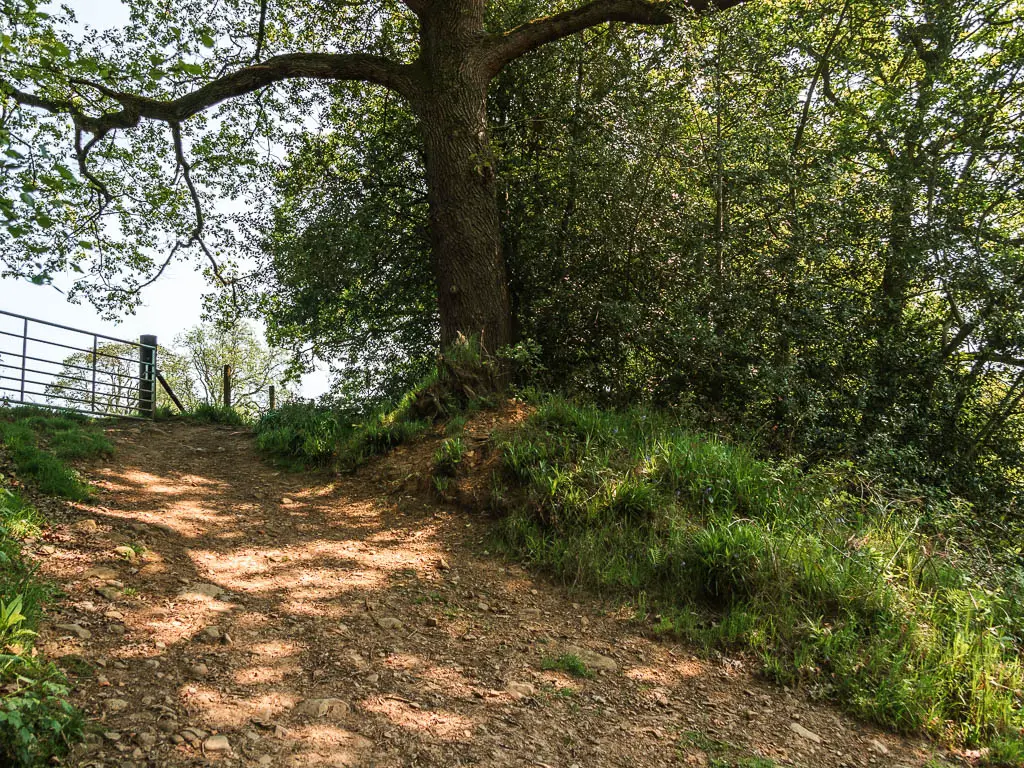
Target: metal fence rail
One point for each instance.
(57, 366)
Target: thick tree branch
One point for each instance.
(315, 66)
(501, 49)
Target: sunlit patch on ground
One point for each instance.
(325, 745)
(448, 726)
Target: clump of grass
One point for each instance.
(843, 594)
(568, 663)
(205, 413)
(448, 457)
(308, 435)
(40, 443)
(300, 433)
(18, 519)
(379, 433)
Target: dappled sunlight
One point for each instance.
(247, 617)
(325, 746)
(223, 710)
(448, 680)
(274, 649)
(448, 726)
(267, 674)
(665, 674)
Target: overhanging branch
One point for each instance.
(314, 66)
(516, 42)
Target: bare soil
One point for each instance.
(302, 619)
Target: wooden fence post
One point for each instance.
(227, 386)
(273, 397)
(147, 376)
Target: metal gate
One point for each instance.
(57, 366)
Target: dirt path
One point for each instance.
(300, 620)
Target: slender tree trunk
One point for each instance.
(469, 264)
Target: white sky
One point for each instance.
(170, 306)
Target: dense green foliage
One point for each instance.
(37, 724)
(801, 221)
(836, 586)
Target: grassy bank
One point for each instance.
(37, 724)
(849, 593)
(832, 581)
(40, 443)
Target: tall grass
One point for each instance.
(307, 435)
(839, 591)
(206, 413)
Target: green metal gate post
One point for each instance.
(147, 376)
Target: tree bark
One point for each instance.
(469, 263)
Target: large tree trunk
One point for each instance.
(469, 263)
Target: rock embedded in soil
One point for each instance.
(75, 629)
(214, 634)
(389, 622)
(217, 744)
(85, 526)
(317, 708)
(804, 733)
(101, 572)
(146, 739)
(115, 705)
(199, 591)
(110, 593)
(521, 690)
(593, 659)
(126, 552)
(878, 747)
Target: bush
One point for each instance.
(831, 583)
